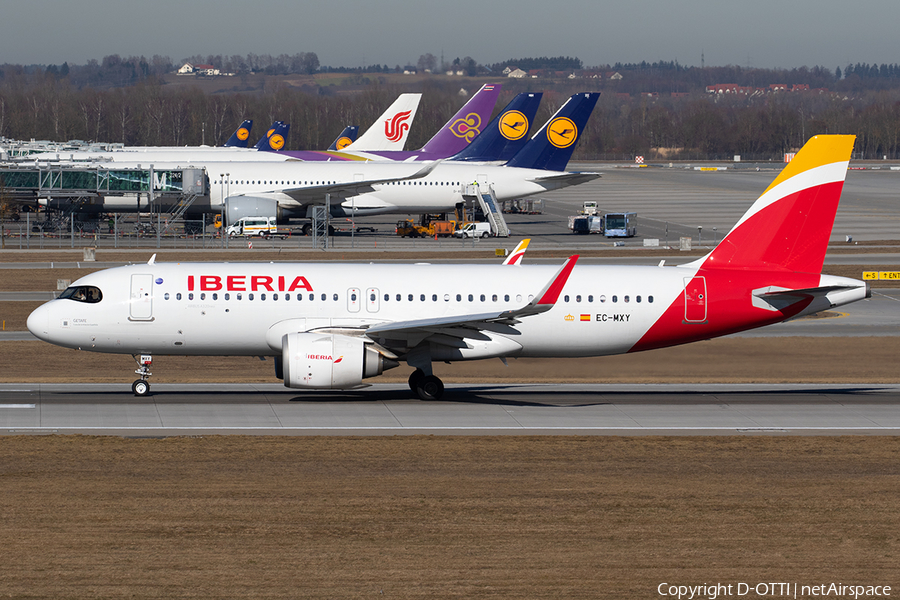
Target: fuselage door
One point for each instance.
(695, 300)
(372, 304)
(353, 300)
(141, 301)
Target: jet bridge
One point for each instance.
(99, 189)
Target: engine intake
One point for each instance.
(326, 361)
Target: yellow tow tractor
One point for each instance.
(430, 227)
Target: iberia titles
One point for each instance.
(247, 283)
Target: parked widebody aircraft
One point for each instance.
(289, 189)
(334, 325)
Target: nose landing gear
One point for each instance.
(141, 387)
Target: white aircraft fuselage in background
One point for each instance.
(298, 184)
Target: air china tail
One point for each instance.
(391, 129)
(332, 325)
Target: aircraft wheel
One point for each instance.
(430, 388)
(140, 387)
(415, 378)
(330, 231)
(306, 229)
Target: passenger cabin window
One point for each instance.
(83, 293)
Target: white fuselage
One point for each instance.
(439, 191)
(232, 309)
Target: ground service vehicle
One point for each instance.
(408, 228)
(620, 224)
(258, 226)
(587, 224)
(473, 230)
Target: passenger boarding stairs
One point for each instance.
(491, 207)
(184, 203)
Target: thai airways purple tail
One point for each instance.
(465, 125)
(506, 134)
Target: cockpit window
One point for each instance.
(83, 293)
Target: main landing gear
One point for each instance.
(427, 387)
(141, 387)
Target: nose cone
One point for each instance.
(39, 323)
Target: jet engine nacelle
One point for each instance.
(238, 207)
(325, 360)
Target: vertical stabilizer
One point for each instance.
(275, 137)
(507, 133)
(391, 129)
(552, 146)
(347, 137)
(788, 227)
(466, 125)
(241, 137)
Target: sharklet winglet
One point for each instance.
(550, 294)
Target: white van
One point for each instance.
(472, 230)
(261, 226)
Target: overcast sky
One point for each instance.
(756, 33)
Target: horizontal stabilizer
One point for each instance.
(777, 298)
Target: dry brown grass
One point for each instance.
(441, 517)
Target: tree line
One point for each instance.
(693, 125)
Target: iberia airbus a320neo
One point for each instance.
(334, 325)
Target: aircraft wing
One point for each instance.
(348, 189)
(450, 330)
